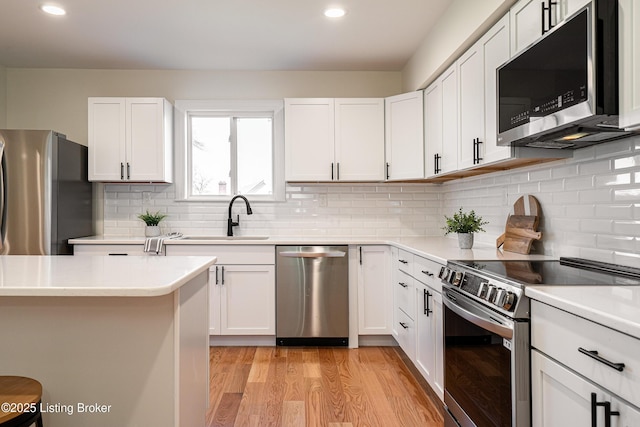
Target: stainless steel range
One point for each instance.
(486, 330)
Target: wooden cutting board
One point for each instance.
(521, 226)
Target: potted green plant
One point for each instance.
(152, 220)
(464, 224)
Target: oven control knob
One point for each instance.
(498, 297)
(456, 279)
(509, 301)
(482, 290)
(442, 272)
(491, 293)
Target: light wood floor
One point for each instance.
(333, 387)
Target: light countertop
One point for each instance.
(130, 276)
(617, 307)
(437, 248)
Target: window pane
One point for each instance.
(210, 156)
(255, 158)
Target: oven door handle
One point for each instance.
(479, 318)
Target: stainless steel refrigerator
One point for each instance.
(45, 196)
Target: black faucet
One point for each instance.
(230, 223)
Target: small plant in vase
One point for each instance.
(152, 220)
(464, 224)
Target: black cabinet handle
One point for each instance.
(121, 170)
(426, 294)
(403, 325)
(360, 255)
(436, 167)
(476, 151)
(217, 275)
(404, 285)
(403, 261)
(387, 170)
(116, 254)
(338, 171)
(608, 413)
(542, 9)
(331, 171)
(128, 171)
(222, 274)
(549, 13)
(428, 273)
(594, 355)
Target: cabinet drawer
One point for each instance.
(112, 250)
(426, 271)
(228, 254)
(406, 333)
(405, 261)
(404, 292)
(560, 334)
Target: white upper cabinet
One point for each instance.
(130, 139)
(359, 139)
(471, 120)
(495, 49)
(334, 139)
(441, 124)
(629, 39)
(530, 19)
(404, 136)
(309, 139)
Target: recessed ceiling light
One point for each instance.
(334, 13)
(53, 10)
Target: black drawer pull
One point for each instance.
(594, 355)
(403, 261)
(404, 285)
(117, 254)
(403, 325)
(428, 273)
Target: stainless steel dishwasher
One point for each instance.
(312, 295)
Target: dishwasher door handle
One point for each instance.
(328, 254)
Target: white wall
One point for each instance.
(459, 27)
(57, 98)
(3, 97)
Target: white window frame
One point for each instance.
(185, 108)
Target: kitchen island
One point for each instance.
(115, 341)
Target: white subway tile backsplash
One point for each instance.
(590, 205)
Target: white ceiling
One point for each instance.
(375, 35)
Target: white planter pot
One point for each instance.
(152, 231)
(465, 240)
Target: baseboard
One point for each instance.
(376, 341)
(242, 340)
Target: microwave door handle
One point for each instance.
(479, 320)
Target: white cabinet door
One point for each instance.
(495, 48)
(130, 139)
(404, 136)
(359, 139)
(471, 119)
(406, 334)
(146, 139)
(374, 292)
(214, 300)
(432, 128)
(561, 398)
(309, 139)
(429, 349)
(107, 135)
(450, 136)
(526, 24)
(247, 299)
(629, 48)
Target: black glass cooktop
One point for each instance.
(566, 271)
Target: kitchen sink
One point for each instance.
(224, 238)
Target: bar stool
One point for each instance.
(18, 392)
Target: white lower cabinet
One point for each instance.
(242, 287)
(562, 398)
(429, 346)
(582, 373)
(242, 300)
(374, 293)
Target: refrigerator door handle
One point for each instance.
(3, 193)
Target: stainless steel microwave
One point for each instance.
(562, 91)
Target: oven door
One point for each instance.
(486, 365)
